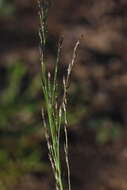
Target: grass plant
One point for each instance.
(54, 113)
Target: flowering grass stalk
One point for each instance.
(55, 114)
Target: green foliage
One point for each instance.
(106, 130)
(20, 126)
(6, 8)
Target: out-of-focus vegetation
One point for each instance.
(20, 125)
(7, 7)
(106, 130)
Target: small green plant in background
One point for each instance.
(19, 127)
(54, 113)
(106, 130)
(7, 8)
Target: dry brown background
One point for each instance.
(98, 93)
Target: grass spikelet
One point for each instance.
(56, 112)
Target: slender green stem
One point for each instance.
(56, 113)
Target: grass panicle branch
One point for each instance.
(56, 113)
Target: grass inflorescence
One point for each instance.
(54, 114)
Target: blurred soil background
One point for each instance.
(97, 109)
